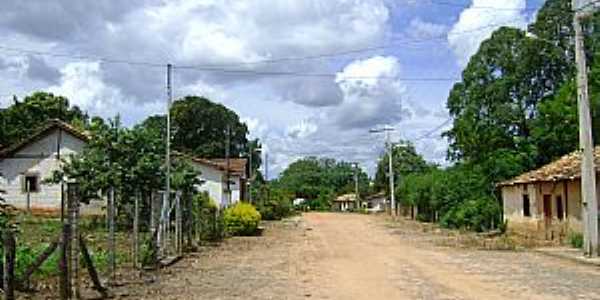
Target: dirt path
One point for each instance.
(344, 256)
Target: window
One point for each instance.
(31, 183)
(559, 207)
(526, 206)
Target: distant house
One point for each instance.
(344, 202)
(546, 202)
(25, 165)
(213, 175)
(374, 203)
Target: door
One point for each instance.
(548, 209)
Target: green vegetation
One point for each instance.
(275, 203)
(241, 219)
(320, 180)
(514, 110)
(575, 240)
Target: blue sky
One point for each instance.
(294, 116)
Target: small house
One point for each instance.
(213, 174)
(546, 202)
(25, 166)
(374, 203)
(345, 202)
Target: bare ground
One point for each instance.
(345, 256)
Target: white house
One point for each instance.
(25, 166)
(213, 174)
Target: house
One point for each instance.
(25, 165)
(345, 202)
(213, 175)
(546, 202)
(374, 203)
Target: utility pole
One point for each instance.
(356, 193)
(164, 216)
(389, 145)
(250, 174)
(588, 174)
(227, 149)
(391, 170)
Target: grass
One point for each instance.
(36, 233)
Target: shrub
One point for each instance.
(575, 239)
(277, 206)
(209, 222)
(241, 219)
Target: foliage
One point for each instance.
(405, 161)
(275, 203)
(575, 240)
(26, 255)
(209, 226)
(457, 197)
(199, 127)
(22, 118)
(311, 178)
(241, 219)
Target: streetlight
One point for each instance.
(387, 131)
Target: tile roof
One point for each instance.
(42, 132)
(567, 167)
(346, 198)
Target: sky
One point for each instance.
(308, 77)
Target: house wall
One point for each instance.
(213, 182)
(537, 224)
(48, 199)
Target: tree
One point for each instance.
(406, 161)
(200, 127)
(22, 118)
(311, 178)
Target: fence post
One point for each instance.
(63, 265)
(111, 235)
(136, 229)
(178, 224)
(73, 210)
(9, 265)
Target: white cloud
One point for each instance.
(372, 93)
(422, 29)
(302, 130)
(475, 25)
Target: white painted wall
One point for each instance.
(213, 183)
(47, 200)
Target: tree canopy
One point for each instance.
(23, 117)
(406, 161)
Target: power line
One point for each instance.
(436, 129)
(83, 57)
(454, 4)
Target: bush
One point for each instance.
(575, 239)
(241, 219)
(209, 220)
(25, 256)
(277, 206)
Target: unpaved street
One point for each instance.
(345, 256)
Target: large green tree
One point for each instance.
(23, 117)
(311, 178)
(200, 127)
(405, 160)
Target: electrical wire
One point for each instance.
(453, 4)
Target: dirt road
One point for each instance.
(344, 256)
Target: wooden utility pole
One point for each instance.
(356, 192)
(588, 173)
(227, 163)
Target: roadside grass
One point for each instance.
(36, 233)
(453, 238)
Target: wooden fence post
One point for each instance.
(178, 224)
(64, 288)
(9, 265)
(136, 229)
(111, 236)
(73, 210)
